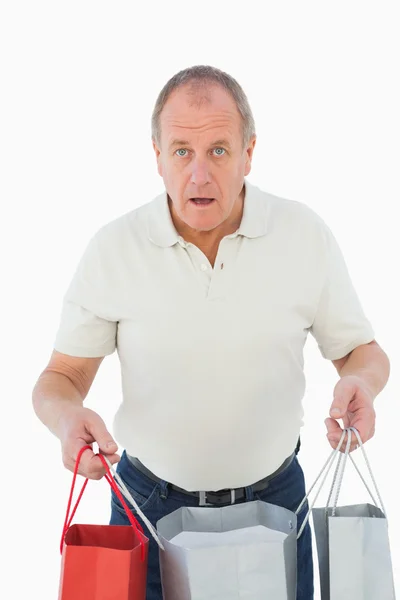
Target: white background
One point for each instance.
(79, 81)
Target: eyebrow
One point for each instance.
(221, 142)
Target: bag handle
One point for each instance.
(125, 492)
(327, 466)
(68, 518)
(347, 453)
(339, 472)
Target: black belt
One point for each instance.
(222, 496)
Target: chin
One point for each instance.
(203, 225)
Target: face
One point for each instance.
(202, 156)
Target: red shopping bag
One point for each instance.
(102, 562)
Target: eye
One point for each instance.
(181, 152)
(223, 149)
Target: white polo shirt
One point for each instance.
(212, 358)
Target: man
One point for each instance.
(208, 292)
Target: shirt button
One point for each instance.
(203, 267)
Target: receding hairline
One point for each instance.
(199, 81)
(201, 92)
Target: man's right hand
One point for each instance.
(77, 427)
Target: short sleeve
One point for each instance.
(88, 325)
(340, 324)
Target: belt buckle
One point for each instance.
(203, 498)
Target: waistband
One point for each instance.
(225, 496)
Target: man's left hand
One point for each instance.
(354, 403)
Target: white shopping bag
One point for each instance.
(352, 541)
(243, 551)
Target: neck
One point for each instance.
(208, 241)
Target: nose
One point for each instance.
(200, 173)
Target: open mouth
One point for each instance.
(202, 201)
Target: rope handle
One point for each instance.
(347, 453)
(125, 492)
(68, 518)
(339, 471)
(327, 468)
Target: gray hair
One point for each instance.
(200, 77)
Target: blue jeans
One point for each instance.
(157, 500)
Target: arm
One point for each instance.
(367, 362)
(64, 384)
(58, 402)
(364, 373)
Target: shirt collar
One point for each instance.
(161, 230)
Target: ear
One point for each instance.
(249, 155)
(158, 157)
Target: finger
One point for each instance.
(97, 428)
(339, 406)
(94, 468)
(70, 452)
(333, 428)
(334, 435)
(343, 448)
(364, 422)
(353, 443)
(334, 432)
(90, 465)
(342, 396)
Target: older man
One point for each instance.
(209, 292)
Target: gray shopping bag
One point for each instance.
(354, 553)
(353, 543)
(250, 553)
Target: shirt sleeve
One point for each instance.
(88, 327)
(340, 324)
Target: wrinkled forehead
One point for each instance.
(206, 115)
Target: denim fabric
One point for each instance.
(157, 500)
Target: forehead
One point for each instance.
(192, 112)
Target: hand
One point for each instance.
(77, 427)
(354, 403)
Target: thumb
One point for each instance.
(103, 438)
(339, 406)
(337, 411)
(342, 396)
